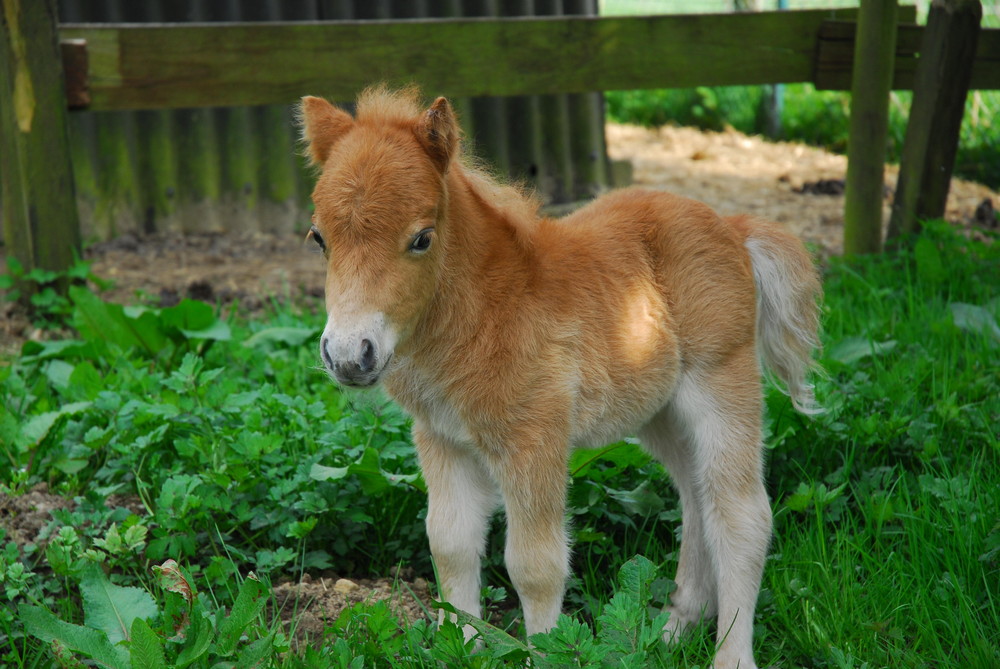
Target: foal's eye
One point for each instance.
(314, 233)
(421, 241)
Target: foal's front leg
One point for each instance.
(461, 499)
(532, 479)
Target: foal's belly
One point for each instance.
(609, 413)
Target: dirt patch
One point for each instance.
(249, 269)
(23, 516)
(793, 184)
(307, 608)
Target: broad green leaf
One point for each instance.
(570, 643)
(105, 321)
(189, 315)
(852, 349)
(641, 500)
(320, 472)
(36, 429)
(198, 639)
(90, 642)
(112, 608)
(145, 648)
(254, 654)
(218, 331)
(98, 320)
(239, 401)
(249, 602)
(148, 331)
(369, 472)
(270, 338)
(976, 319)
(802, 498)
(930, 268)
(620, 455)
(35, 351)
(501, 644)
(635, 576)
(85, 381)
(58, 373)
(69, 465)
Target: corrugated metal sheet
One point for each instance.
(209, 170)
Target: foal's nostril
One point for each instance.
(325, 354)
(367, 361)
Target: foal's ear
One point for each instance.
(438, 133)
(322, 125)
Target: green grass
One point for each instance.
(235, 454)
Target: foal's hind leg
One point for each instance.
(695, 596)
(719, 410)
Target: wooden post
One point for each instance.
(874, 59)
(40, 221)
(941, 84)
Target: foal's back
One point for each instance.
(694, 260)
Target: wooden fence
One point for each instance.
(160, 66)
(223, 168)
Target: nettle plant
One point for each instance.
(44, 291)
(124, 627)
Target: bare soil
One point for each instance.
(796, 185)
(22, 517)
(799, 186)
(310, 606)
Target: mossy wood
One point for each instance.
(874, 59)
(191, 65)
(931, 142)
(835, 55)
(40, 220)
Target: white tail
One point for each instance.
(788, 290)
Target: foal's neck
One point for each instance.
(490, 256)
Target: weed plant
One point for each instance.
(194, 449)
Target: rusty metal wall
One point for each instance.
(237, 169)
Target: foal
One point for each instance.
(511, 339)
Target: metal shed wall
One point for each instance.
(223, 169)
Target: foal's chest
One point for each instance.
(425, 398)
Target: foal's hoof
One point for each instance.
(733, 663)
(677, 626)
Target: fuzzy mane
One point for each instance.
(382, 105)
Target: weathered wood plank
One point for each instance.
(835, 56)
(136, 66)
(931, 141)
(874, 58)
(40, 222)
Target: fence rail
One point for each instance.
(143, 66)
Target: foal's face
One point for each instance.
(379, 208)
(377, 221)
(379, 212)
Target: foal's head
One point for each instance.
(379, 205)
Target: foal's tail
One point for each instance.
(788, 291)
